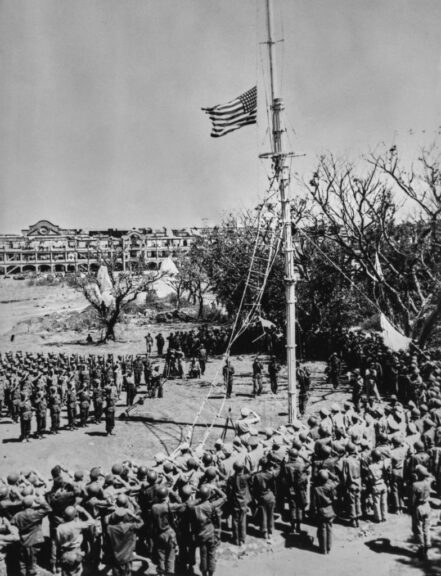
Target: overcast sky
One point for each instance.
(100, 120)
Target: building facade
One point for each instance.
(46, 248)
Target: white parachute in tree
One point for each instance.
(106, 288)
(103, 280)
(93, 293)
(391, 337)
(168, 272)
(101, 292)
(168, 267)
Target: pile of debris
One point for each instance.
(77, 321)
(172, 316)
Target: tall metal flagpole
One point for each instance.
(282, 174)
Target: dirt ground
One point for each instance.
(159, 425)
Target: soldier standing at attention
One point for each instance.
(202, 357)
(160, 343)
(324, 497)
(377, 475)
(357, 384)
(148, 343)
(304, 380)
(84, 406)
(352, 483)
(138, 370)
(179, 365)
(263, 488)
(420, 509)
(157, 384)
(110, 410)
(295, 479)
(118, 378)
(130, 389)
(98, 403)
(228, 374)
(239, 497)
(273, 371)
(148, 373)
(55, 410)
(15, 401)
(71, 406)
(257, 377)
(40, 409)
(334, 365)
(25, 419)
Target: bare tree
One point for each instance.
(122, 288)
(394, 258)
(180, 282)
(197, 280)
(421, 185)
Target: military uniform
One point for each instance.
(304, 381)
(110, 411)
(324, 497)
(41, 413)
(84, 407)
(164, 535)
(295, 482)
(55, 412)
(98, 402)
(257, 377)
(130, 389)
(71, 401)
(352, 485)
(273, 371)
(25, 420)
(228, 375)
(420, 509)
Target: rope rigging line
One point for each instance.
(253, 256)
(231, 340)
(269, 265)
(272, 253)
(248, 320)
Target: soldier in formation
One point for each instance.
(39, 388)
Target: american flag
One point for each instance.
(233, 115)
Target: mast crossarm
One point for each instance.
(279, 155)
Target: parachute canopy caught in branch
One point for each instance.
(168, 267)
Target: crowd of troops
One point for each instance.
(86, 387)
(256, 339)
(42, 386)
(303, 379)
(378, 453)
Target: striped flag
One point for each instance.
(233, 115)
